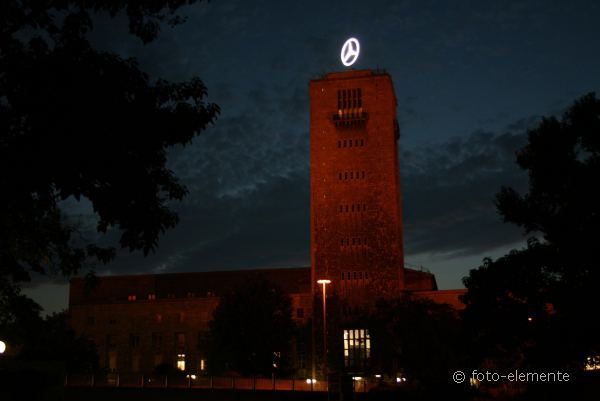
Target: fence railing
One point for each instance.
(214, 382)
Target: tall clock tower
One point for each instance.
(356, 214)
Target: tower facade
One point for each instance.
(356, 214)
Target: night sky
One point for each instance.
(470, 77)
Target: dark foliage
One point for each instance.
(251, 331)
(78, 122)
(426, 340)
(554, 280)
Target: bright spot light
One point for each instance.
(323, 281)
(308, 381)
(2, 347)
(314, 381)
(398, 380)
(377, 375)
(194, 377)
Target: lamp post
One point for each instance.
(324, 282)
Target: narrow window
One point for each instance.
(180, 339)
(362, 142)
(344, 143)
(341, 208)
(363, 176)
(346, 208)
(351, 175)
(342, 276)
(360, 275)
(180, 317)
(181, 361)
(359, 241)
(90, 320)
(354, 275)
(339, 99)
(357, 175)
(300, 313)
(356, 142)
(342, 242)
(346, 175)
(358, 207)
(301, 360)
(353, 241)
(339, 144)
(350, 142)
(359, 99)
(158, 318)
(365, 240)
(364, 207)
(134, 340)
(366, 275)
(352, 208)
(340, 176)
(131, 298)
(347, 241)
(152, 296)
(113, 321)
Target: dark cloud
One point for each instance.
(448, 191)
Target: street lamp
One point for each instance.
(324, 282)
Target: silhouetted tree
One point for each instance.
(76, 121)
(426, 341)
(554, 280)
(251, 331)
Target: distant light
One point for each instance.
(323, 281)
(308, 381)
(194, 377)
(377, 375)
(529, 319)
(357, 378)
(314, 381)
(398, 380)
(2, 347)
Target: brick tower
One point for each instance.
(356, 215)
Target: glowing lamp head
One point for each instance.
(324, 281)
(350, 52)
(2, 347)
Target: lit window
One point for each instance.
(202, 364)
(181, 361)
(90, 320)
(131, 298)
(357, 349)
(300, 313)
(151, 296)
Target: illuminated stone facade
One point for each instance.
(138, 322)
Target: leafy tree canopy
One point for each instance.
(424, 337)
(78, 122)
(251, 331)
(533, 306)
